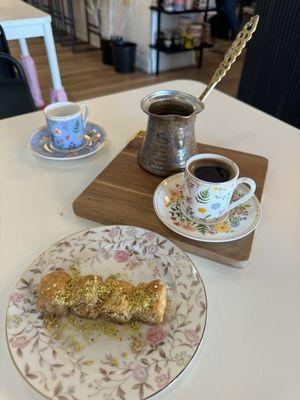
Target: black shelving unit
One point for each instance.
(158, 46)
(173, 50)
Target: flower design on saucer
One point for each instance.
(238, 223)
(40, 144)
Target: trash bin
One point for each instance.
(106, 47)
(124, 57)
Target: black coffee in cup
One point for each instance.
(211, 170)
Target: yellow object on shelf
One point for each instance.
(188, 40)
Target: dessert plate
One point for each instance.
(239, 222)
(40, 144)
(73, 358)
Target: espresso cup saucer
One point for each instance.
(236, 224)
(216, 221)
(40, 143)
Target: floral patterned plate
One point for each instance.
(240, 222)
(41, 145)
(73, 358)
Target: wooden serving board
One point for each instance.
(123, 194)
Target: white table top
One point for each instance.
(252, 342)
(16, 12)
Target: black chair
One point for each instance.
(15, 94)
(6, 69)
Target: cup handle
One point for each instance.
(86, 113)
(252, 185)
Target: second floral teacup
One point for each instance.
(66, 122)
(210, 180)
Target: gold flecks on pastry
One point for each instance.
(114, 276)
(84, 296)
(53, 326)
(53, 295)
(90, 297)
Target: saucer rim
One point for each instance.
(50, 157)
(258, 208)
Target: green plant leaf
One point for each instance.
(203, 196)
(76, 127)
(202, 229)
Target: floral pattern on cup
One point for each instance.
(208, 202)
(67, 135)
(236, 216)
(205, 201)
(121, 369)
(66, 122)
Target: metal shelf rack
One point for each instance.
(159, 48)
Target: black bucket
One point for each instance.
(124, 57)
(106, 47)
(106, 52)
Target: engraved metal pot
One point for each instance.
(170, 136)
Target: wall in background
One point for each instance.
(137, 28)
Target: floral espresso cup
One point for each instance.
(66, 122)
(206, 201)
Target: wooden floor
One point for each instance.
(84, 76)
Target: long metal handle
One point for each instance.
(234, 51)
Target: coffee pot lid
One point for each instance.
(172, 96)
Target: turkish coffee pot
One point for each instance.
(170, 135)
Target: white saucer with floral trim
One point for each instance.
(73, 358)
(40, 144)
(239, 222)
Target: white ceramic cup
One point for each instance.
(66, 122)
(208, 201)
